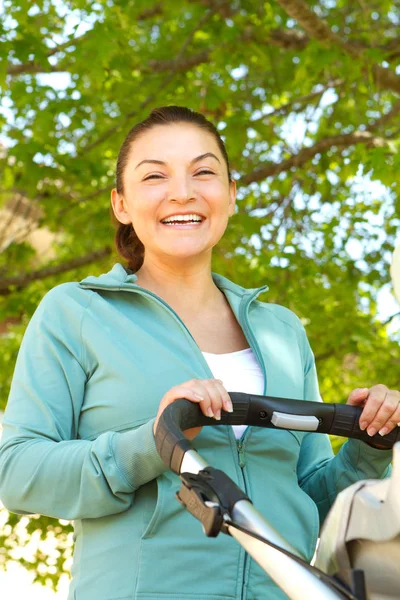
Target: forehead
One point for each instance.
(176, 140)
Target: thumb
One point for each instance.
(358, 396)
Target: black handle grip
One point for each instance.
(250, 409)
(347, 423)
(171, 442)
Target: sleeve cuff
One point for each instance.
(136, 455)
(374, 463)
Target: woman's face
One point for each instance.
(175, 170)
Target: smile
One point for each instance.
(187, 221)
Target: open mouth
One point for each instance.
(183, 222)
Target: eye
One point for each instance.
(201, 172)
(152, 177)
(205, 172)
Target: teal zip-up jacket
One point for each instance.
(78, 443)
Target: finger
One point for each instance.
(201, 395)
(391, 423)
(189, 390)
(385, 414)
(216, 391)
(358, 396)
(374, 401)
(226, 399)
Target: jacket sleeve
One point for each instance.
(321, 474)
(43, 467)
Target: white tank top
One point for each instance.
(239, 372)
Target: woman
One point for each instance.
(102, 358)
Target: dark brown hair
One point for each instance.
(127, 243)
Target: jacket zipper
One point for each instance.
(246, 556)
(243, 318)
(242, 463)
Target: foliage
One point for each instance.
(306, 97)
(38, 543)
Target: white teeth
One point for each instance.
(182, 218)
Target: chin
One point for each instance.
(186, 253)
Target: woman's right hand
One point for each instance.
(210, 394)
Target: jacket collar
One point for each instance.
(121, 279)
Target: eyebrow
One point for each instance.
(194, 160)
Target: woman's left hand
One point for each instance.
(381, 408)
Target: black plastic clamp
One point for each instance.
(208, 496)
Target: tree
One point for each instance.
(306, 96)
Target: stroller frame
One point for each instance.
(221, 506)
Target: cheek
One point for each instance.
(217, 196)
(145, 205)
(152, 193)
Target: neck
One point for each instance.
(188, 289)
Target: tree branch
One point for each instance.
(73, 42)
(20, 218)
(389, 319)
(8, 285)
(149, 13)
(290, 40)
(319, 29)
(297, 104)
(306, 154)
(222, 7)
(76, 201)
(159, 66)
(287, 38)
(316, 27)
(35, 67)
(386, 79)
(384, 119)
(18, 235)
(17, 204)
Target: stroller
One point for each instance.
(358, 557)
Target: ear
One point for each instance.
(232, 197)
(119, 207)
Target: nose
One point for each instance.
(180, 190)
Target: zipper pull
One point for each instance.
(241, 456)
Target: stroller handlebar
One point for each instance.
(261, 411)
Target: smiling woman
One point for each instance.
(102, 358)
(182, 172)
